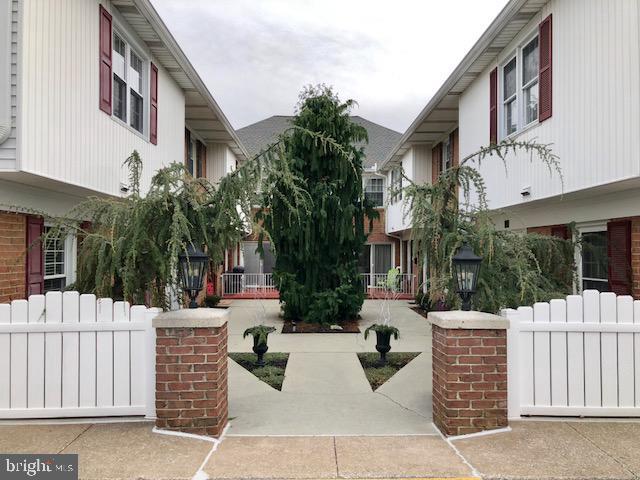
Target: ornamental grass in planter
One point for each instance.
(260, 347)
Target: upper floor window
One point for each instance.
(520, 88)
(396, 185)
(374, 191)
(128, 84)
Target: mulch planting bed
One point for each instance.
(272, 373)
(349, 326)
(419, 311)
(376, 373)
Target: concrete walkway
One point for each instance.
(545, 450)
(325, 391)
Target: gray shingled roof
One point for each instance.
(257, 136)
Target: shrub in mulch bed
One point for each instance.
(376, 373)
(348, 326)
(273, 371)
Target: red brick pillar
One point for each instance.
(469, 371)
(191, 370)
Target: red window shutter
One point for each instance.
(493, 106)
(153, 111)
(619, 253)
(105, 60)
(560, 231)
(35, 256)
(545, 96)
(436, 162)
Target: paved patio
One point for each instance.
(325, 391)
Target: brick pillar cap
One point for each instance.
(192, 317)
(461, 320)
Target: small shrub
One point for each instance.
(210, 301)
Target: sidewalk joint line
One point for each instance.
(624, 467)
(335, 455)
(474, 470)
(76, 437)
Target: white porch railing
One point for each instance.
(247, 283)
(374, 283)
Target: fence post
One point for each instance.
(513, 364)
(469, 371)
(191, 370)
(150, 363)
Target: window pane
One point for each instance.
(382, 258)
(509, 79)
(531, 103)
(511, 117)
(119, 98)
(54, 284)
(136, 65)
(364, 262)
(118, 45)
(136, 111)
(594, 256)
(374, 191)
(530, 61)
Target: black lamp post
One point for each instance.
(466, 266)
(192, 266)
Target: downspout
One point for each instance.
(5, 70)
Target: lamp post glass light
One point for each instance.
(466, 266)
(192, 266)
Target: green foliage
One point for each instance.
(517, 268)
(259, 333)
(382, 328)
(273, 371)
(317, 251)
(132, 245)
(377, 374)
(211, 301)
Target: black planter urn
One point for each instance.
(259, 349)
(383, 345)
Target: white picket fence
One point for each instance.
(71, 355)
(575, 357)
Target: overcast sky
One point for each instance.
(390, 56)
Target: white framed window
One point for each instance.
(59, 262)
(529, 82)
(447, 155)
(510, 97)
(396, 185)
(519, 88)
(594, 258)
(130, 75)
(192, 152)
(374, 191)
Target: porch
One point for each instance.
(262, 286)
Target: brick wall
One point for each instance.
(378, 234)
(469, 380)
(13, 238)
(191, 379)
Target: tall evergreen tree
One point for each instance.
(316, 268)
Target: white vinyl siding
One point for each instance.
(596, 106)
(64, 134)
(8, 148)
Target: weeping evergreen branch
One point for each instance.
(317, 252)
(128, 247)
(518, 268)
